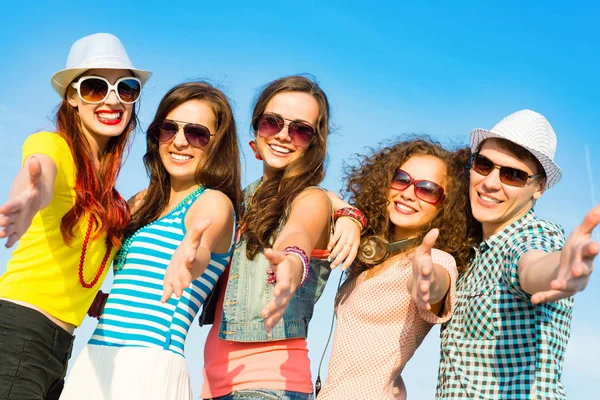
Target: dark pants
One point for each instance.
(34, 353)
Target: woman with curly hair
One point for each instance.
(414, 195)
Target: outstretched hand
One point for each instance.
(423, 276)
(343, 245)
(187, 263)
(576, 261)
(288, 271)
(18, 212)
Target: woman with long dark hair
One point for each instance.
(185, 218)
(257, 345)
(68, 217)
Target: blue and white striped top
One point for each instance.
(133, 314)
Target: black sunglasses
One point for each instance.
(508, 175)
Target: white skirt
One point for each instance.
(127, 373)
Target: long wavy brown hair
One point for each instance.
(369, 182)
(221, 168)
(95, 190)
(276, 194)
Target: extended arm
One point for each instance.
(305, 228)
(430, 282)
(209, 224)
(31, 191)
(554, 276)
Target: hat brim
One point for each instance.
(61, 80)
(552, 170)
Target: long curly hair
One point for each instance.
(221, 168)
(275, 195)
(369, 182)
(95, 191)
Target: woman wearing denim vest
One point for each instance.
(257, 346)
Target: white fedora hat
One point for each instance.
(530, 130)
(100, 50)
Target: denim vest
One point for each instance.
(248, 292)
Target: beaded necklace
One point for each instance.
(82, 258)
(121, 256)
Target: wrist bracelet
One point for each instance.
(353, 213)
(297, 251)
(271, 279)
(304, 269)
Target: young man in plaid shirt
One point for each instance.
(511, 326)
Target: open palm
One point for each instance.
(18, 212)
(186, 264)
(576, 261)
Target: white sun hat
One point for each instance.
(530, 130)
(100, 50)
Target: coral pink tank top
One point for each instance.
(231, 366)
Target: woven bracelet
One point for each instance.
(353, 213)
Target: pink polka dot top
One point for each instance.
(378, 330)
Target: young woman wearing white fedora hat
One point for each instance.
(68, 217)
(511, 326)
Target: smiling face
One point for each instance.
(101, 122)
(407, 212)
(495, 204)
(181, 160)
(278, 151)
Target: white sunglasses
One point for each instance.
(96, 89)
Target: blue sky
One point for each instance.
(389, 67)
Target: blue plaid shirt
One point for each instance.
(498, 345)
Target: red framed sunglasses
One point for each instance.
(301, 133)
(429, 192)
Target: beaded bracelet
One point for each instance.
(303, 258)
(352, 213)
(271, 278)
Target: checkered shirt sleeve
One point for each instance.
(537, 234)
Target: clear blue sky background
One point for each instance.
(388, 67)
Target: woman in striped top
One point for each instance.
(185, 217)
